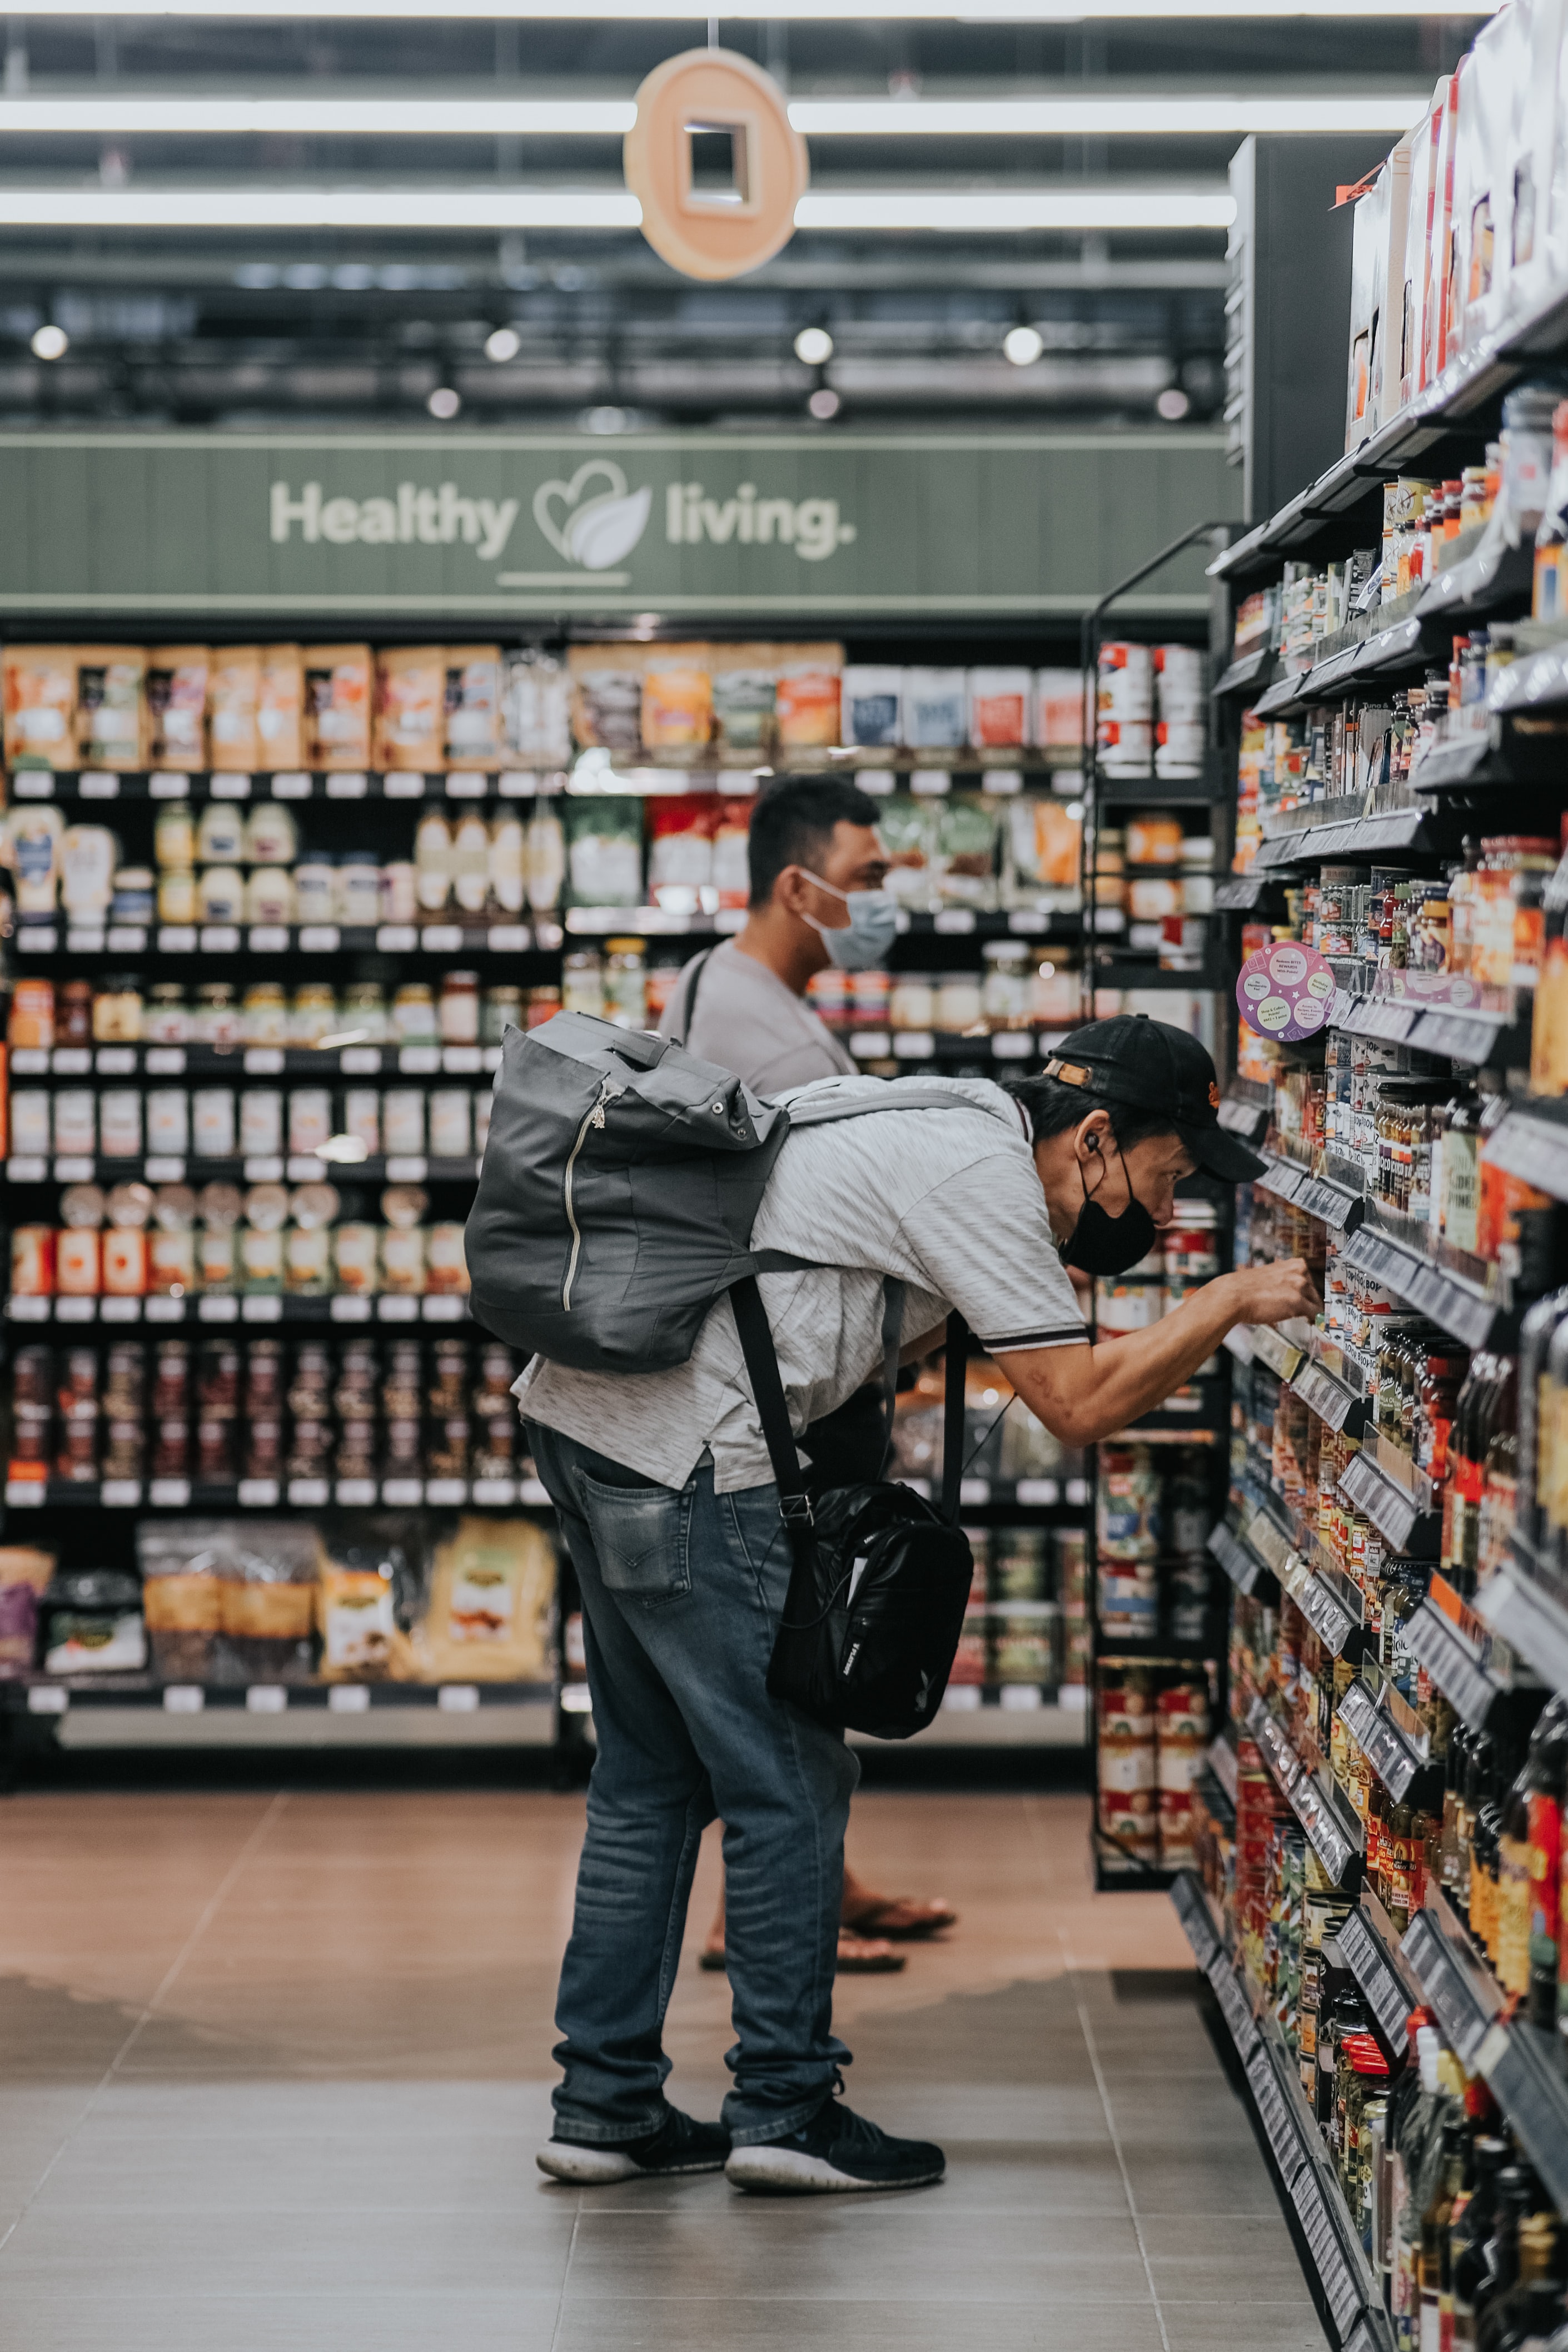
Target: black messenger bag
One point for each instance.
(879, 1580)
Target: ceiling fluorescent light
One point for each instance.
(966, 211)
(1095, 118)
(260, 206)
(996, 12)
(125, 114)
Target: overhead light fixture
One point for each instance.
(969, 211)
(97, 116)
(261, 205)
(443, 404)
(814, 346)
(824, 404)
(1172, 404)
(1023, 345)
(1220, 116)
(992, 12)
(50, 343)
(503, 343)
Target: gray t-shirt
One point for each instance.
(748, 1020)
(949, 1200)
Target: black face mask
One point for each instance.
(1106, 1244)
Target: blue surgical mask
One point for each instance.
(871, 930)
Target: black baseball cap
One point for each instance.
(1133, 1059)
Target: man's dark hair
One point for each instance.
(1053, 1107)
(793, 823)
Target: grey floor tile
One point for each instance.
(308, 2251)
(1229, 2179)
(856, 2250)
(784, 2325)
(1218, 2256)
(1244, 2326)
(179, 2318)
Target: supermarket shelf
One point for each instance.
(1398, 1518)
(1220, 1761)
(1253, 671)
(1333, 1831)
(1332, 1204)
(1369, 1948)
(951, 1044)
(43, 1695)
(209, 1061)
(1536, 682)
(1240, 893)
(1385, 1745)
(1026, 1494)
(1526, 1602)
(1329, 2243)
(1123, 971)
(271, 1494)
(295, 1168)
(500, 1722)
(1239, 1115)
(225, 1308)
(1241, 1564)
(1491, 578)
(286, 784)
(177, 942)
(1335, 1405)
(1533, 1143)
(1448, 1640)
(1520, 2064)
(1451, 1301)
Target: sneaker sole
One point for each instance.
(600, 2168)
(800, 2175)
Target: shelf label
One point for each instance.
(407, 1167)
(443, 938)
(265, 1698)
(1393, 1514)
(177, 938)
(509, 939)
(1440, 1975)
(184, 1698)
(37, 939)
(399, 1493)
(444, 1494)
(261, 1306)
(914, 1045)
(1378, 1740)
(360, 1061)
(229, 788)
(1239, 2017)
(26, 1170)
(396, 938)
(42, 1699)
(120, 1310)
(464, 786)
(258, 1493)
(310, 1493)
(116, 1061)
(218, 1308)
(291, 784)
(460, 1061)
(164, 784)
(348, 786)
(32, 784)
(419, 1061)
(169, 1494)
(870, 1045)
(121, 1494)
(220, 938)
(29, 1310)
(348, 1307)
(457, 1698)
(269, 939)
(398, 787)
(83, 939)
(349, 1698)
(33, 1062)
(1012, 1045)
(442, 1308)
(98, 784)
(264, 1172)
(397, 1310)
(356, 1494)
(494, 1490)
(76, 1310)
(164, 1169)
(1037, 1490)
(1386, 1997)
(165, 1061)
(163, 1310)
(1437, 1646)
(318, 939)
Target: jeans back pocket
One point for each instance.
(640, 1537)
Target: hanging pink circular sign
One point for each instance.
(1285, 991)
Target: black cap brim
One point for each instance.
(1220, 1153)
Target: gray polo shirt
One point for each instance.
(747, 1021)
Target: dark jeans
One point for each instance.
(681, 1593)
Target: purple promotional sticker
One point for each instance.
(1285, 991)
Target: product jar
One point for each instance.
(264, 1013)
(124, 1262)
(313, 1013)
(213, 1123)
(912, 1002)
(31, 1024)
(120, 1123)
(167, 1020)
(356, 1254)
(413, 1021)
(457, 1013)
(117, 1012)
(78, 1262)
(403, 1123)
(451, 1124)
(33, 1259)
(260, 1123)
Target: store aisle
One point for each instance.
(273, 2069)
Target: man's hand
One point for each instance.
(1272, 1294)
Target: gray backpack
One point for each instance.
(621, 1180)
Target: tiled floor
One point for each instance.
(273, 2069)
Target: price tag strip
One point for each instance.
(1392, 1512)
(1394, 1762)
(1442, 1296)
(1193, 1912)
(1462, 1037)
(1233, 2003)
(1451, 1663)
(1333, 1844)
(1535, 1150)
(1333, 1404)
(1239, 1564)
(1278, 2123)
(1370, 1965)
(1522, 2067)
(1521, 1607)
(1268, 1348)
(1446, 1987)
(1328, 2253)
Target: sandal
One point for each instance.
(902, 1917)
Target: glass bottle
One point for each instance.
(1433, 2259)
(1473, 2221)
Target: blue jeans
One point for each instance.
(682, 1591)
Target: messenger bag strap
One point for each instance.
(953, 1415)
(768, 1390)
(681, 1028)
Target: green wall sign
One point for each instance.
(513, 526)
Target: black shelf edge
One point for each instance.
(1456, 1304)
(48, 1695)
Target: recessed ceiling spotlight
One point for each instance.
(50, 343)
(1172, 404)
(443, 403)
(814, 346)
(824, 404)
(503, 345)
(1023, 345)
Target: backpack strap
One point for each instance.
(681, 1028)
(953, 1415)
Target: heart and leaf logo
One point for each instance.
(598, 532)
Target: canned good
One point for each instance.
(403, 1122)
(309, 1118)
(213, 1123)
(402, 1260)
(451, 1123)
(260, 1123)
(78, 1262)
(120, 1123)
(170, 1263)
(33, 1261)
(168, 1122)
(265, 1014)
(363, 1117)
(32, 1018)
(124, 1262)
(356, 1250)
(308, 1258)
(446, 1265)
